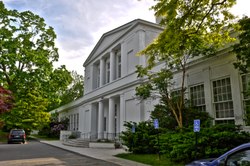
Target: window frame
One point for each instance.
(202, 106)
(218, 100)
(107, 70)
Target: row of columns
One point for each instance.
(112, 68)
(111, 117)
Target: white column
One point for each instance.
(111, 123)
(100, 120)
(142, 45)
(123, 60)
(122, 113)
(112, 66)
(102, 72)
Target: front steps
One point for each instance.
(77, 143)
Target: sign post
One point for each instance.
(197, 124)
(133, 131)
(156, 125)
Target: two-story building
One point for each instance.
(110, 82)
(213, 84)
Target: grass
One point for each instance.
(42, 137)
(3, 136)
(150, 159)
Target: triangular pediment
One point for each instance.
(110, 37)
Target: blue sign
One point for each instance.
(156, 123)
(133, 129)
(197, 124)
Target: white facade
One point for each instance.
(110, 81)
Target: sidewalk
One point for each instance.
(106, 154)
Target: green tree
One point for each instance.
(191, 29)
(75, 89)
(242, 49)
(27, 53)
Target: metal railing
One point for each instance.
(101, 136)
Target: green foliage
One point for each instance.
(52, 130)
(191, 29)
(212, 142)
(242, 49)
(28, 113)
(143, 141)
(74, 91)
(149, 159)
(167, 121)
(165, 117)
(72, 137)
(27, 54)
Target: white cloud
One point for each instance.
(79, 24)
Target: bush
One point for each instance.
(143, 140)
(212, 142)
(54, 127)
(72, 136)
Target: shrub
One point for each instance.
(54, 127)
(212, 142)
(143, 140)
(72, 136)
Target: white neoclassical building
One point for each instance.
(110, 81)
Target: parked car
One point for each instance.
(239, 156)
(16, 135)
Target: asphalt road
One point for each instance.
(35, 153)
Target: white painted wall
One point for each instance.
(130, 109)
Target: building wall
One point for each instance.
(101, 98)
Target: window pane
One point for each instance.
(223, 103)
(198, 97)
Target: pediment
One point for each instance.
(107, 39)
(110, 37)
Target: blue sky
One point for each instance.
(79, 24)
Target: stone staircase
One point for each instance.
(77, 143)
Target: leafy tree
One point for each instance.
(6, 100)
(191, 29)
(75, 89)
(27, 53)
(242, 49)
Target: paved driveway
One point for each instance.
(35, 153)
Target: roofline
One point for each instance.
(130, 24)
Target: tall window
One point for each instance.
(118, 64)
(98, 75)
(74, 121)
(197, 96)
(115, 119)
(71, 122)
(246, 96)
(107, 66)
(77, 121)
(222, 100)
(105, 124)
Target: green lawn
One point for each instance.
(3, 136)
(150, 159)
(40, 137)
